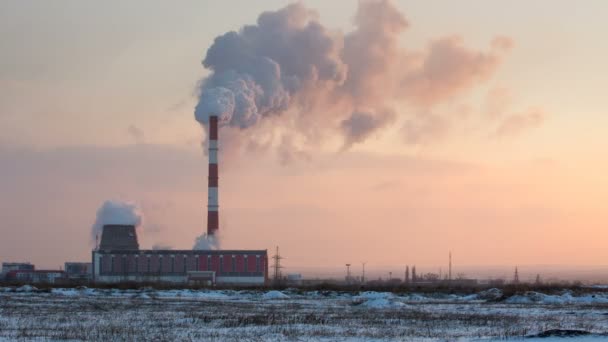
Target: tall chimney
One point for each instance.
(213, 220)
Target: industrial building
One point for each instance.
(8, 267)
(81, 271)
(35, 276)
(16, 266)
(119, 259)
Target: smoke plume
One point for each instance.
(289, 73)
(116, 212)
(207, 242)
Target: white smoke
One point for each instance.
(321, 83)
(161, 246)
(116, 212)
(260, 68)
(219, 101)
(207, 242)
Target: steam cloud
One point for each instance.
(207, 242)
(116, 212)
(289, 73)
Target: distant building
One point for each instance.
(15, 266)
(79, 270)
(119, 259)
(36, 276)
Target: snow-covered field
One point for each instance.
(223, 315)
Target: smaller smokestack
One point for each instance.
(213, 220)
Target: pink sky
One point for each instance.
(101, 107)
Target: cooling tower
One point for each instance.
(118, 237)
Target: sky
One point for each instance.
(495, 152)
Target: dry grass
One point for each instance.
(108, 318)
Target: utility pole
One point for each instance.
(450, 269)
(277, 266)
(407, 274)
(348, 273)
(363, 272)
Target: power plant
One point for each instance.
(119, 259)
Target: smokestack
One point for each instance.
(213, 220)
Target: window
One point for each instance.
(209, 264)
(257, 263)
(246, 264)
(234, 263)
(221, 264)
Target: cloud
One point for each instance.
(497, 102)
(425, 128)
(516, 123)
(450, 68)
(360, 125)
(136, 133)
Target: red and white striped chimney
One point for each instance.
(213, 219)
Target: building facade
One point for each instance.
(36, 276)
(119, 259)
(79, 270)
(206, 267)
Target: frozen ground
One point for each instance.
(186, 315)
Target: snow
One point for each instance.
(26, 288)
(375, 295)
(275, 295)
(491, 294)
(381, 303)
(217, 315)
(532, 297)
(375, 299)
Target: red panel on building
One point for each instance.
(240, 263)
(179, 264)
(227, 263)
(215, 263)
(167, 264)
(191, 263)
(154, 264)
(202, 262)
(251, 263)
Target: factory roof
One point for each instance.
(185, 251)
